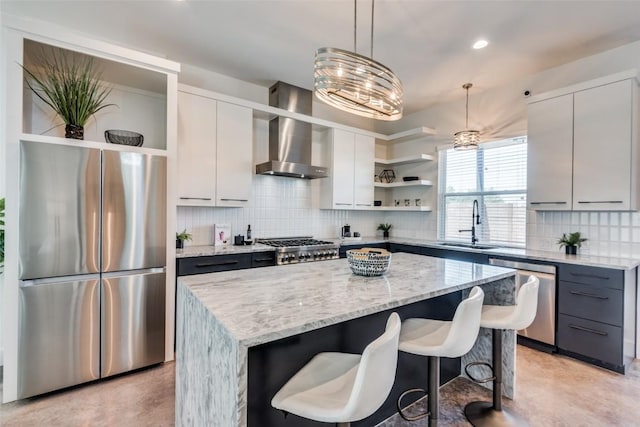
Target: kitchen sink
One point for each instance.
(466, 245)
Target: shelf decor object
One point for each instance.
(68, 84)
(124, 137)
(355, 83)
(466, 139)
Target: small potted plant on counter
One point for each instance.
(181, 237)
(385, 230)
(571, 242)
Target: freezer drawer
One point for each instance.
(133, 321)
(59, 335)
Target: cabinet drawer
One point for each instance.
(591, 339)
(591, 302)
(263, 259)
(410, 249)
(212, 264)
(606, 277)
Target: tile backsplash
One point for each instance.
(286, 207)
(615, 234)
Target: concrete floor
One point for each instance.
(551, 391)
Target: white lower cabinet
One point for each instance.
(215, 155)
(583, 147)
(351, 160)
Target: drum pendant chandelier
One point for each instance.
(466, 139)
(357, 84)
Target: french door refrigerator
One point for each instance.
(92, 262)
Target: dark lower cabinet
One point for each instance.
(593, 315)
(212, 264)
(476, 257)
(263, 259)
(410, 249)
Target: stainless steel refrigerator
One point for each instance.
(92, 247)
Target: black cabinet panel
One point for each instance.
(591, 302)
(477, 257)
(592, 339)
(263, 259)
(212, 264)
(410, 249)
(595, 276)
(344, 248)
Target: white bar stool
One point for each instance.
(341, 388)
(436, 339)
(499, 318)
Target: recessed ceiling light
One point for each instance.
(480, 44)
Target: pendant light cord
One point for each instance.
(466, 122)
(355, 26)
(372, 3)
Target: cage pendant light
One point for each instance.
(356, 83)
(466, 139)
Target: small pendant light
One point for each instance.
(466, 139)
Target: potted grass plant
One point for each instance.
(571, 242)
(385, 230)
(181, 238)
(68, 83)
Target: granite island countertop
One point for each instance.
(258, 306)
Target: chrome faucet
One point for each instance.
(475, 220)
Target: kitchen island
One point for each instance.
(239, 329)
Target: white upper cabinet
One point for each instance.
(351, 159)
(234, 155)
(364, 170)
(196, 150)
(215, 155)
(550, 154)
(583, 147)
(603, 147)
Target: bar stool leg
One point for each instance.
(434, 390)
(491, 414)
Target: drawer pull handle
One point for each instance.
(195, 198)
(234, 200)
(263, 259)
(600, 201)
(547, 203)
(213, 264)
(584, 294)
(343, 204)
(593, 331)
(592, 276)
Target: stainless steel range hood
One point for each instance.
(290, 140)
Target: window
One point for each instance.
(496, 176)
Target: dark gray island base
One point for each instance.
(243, 334)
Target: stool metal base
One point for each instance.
(482, 414)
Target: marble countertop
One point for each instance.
(206, 250)
(263, 305)
(525, 254)
(531, 255)
(522, 253)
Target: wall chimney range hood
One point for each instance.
(289, 139)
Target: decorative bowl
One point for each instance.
(124, 137)
(369, 261)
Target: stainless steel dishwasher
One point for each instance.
(544, 325)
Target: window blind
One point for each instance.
(496, 176)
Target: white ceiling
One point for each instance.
(427, 43)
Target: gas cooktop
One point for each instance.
(291, 250)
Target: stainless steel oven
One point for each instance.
(543, 327)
